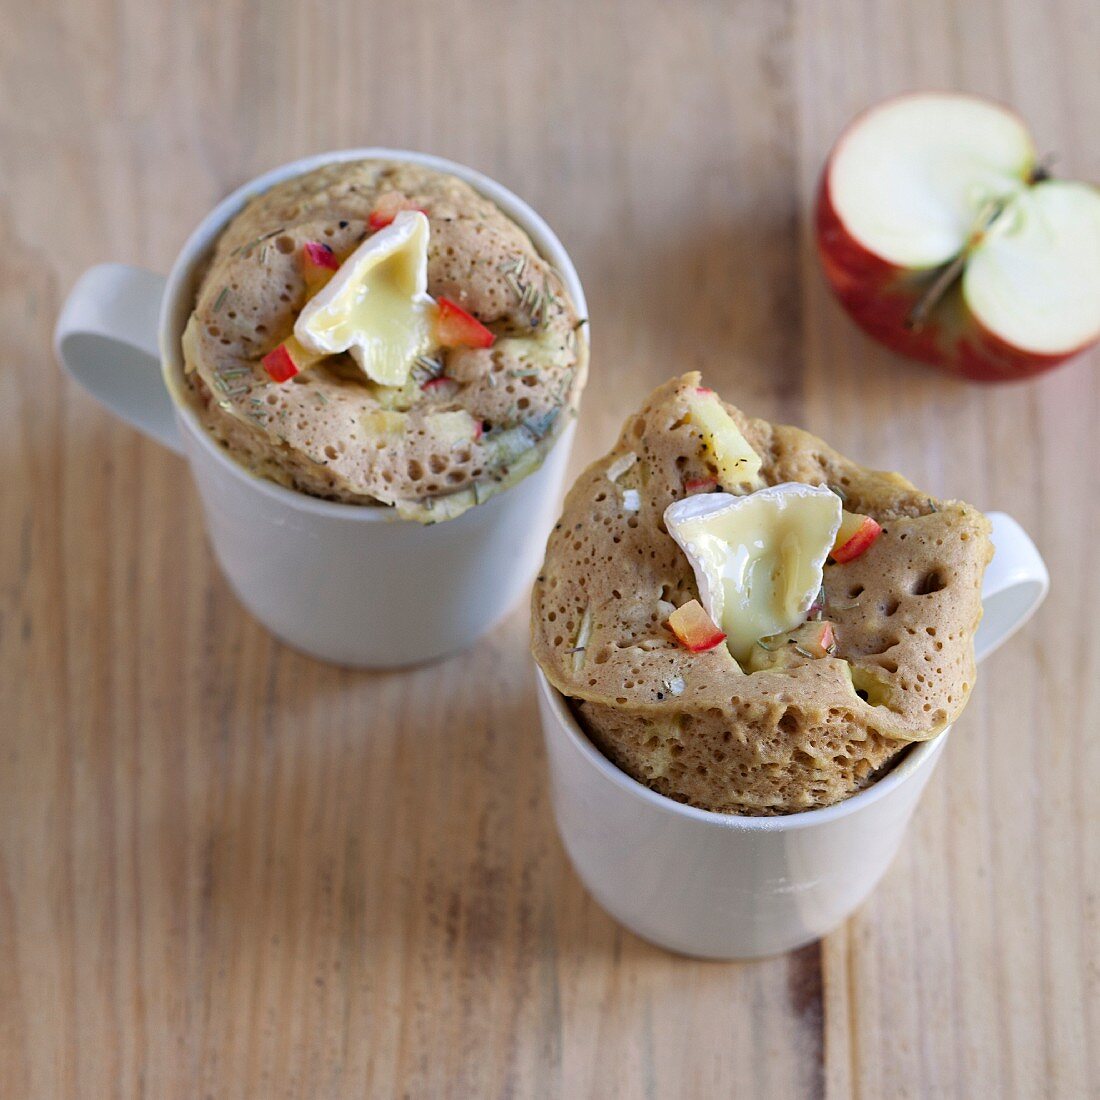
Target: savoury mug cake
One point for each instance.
(746, 621)
(378, 333)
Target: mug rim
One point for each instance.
(920, 754)
(180, 283)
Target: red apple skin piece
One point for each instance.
(319, 263)
(694, 628)
(880, 296)
(455, 328)
(695, 485)
(442, 384)
(388, 207)
(821, 641)
(858, 542)
(280, 364)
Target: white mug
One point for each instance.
(729, 887)
(346, 583)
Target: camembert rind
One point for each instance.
(758, 559)
(377, 304)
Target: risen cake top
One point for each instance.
(797, 722)
(468, 421)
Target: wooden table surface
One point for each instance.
(229, 871)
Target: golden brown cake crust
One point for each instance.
(308, 433)
(769, 742)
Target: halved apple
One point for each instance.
(945, 239)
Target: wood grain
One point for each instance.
(226, 870)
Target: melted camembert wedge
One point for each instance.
(758, 559)
(377, 305)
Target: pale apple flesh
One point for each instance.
(931, 184)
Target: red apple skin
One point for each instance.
(859, 543)
(694, 629)
(879, 296)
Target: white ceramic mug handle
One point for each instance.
(1016, 582)
(106, 338)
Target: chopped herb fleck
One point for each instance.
(817, 608)
(539, 425)
(220, 300)
(584, 632)
(844, 606)
(246, 248)
(425, 369)
(532, 301)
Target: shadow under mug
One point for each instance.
(729, 887)
(346, 583)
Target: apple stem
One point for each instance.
(950, 272)
(1043, 170)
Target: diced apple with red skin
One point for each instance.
(855, 537)
(945, 240)
(279, 364)
(694, 628)
(319, 263)
(817, 638)
(388, 207)
(455, 328)
(695, 485)
(288, 359)
(441, 386)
